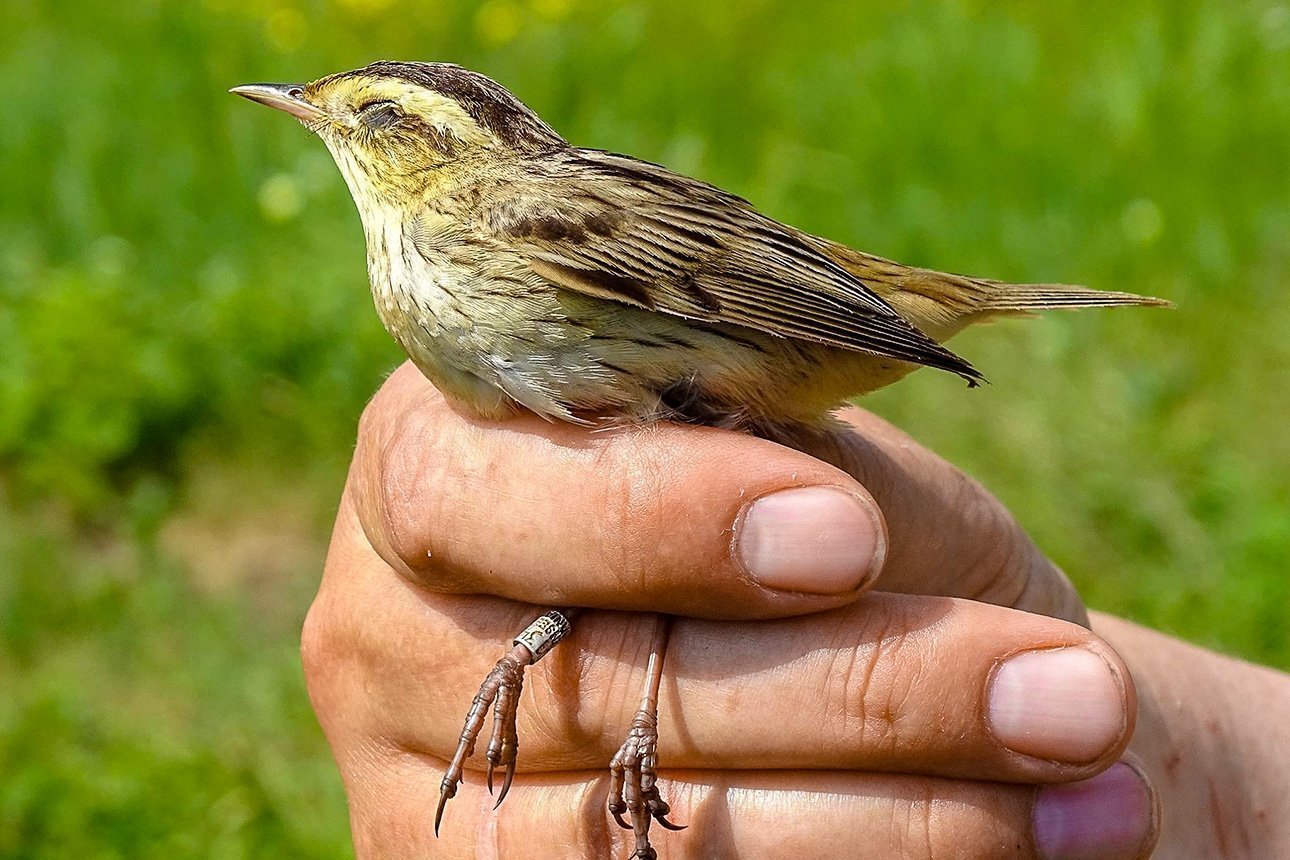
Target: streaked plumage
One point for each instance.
(518, 271)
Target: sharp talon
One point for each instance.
(506, 784)
(659, 810)
(634, 799)
(661, 818)
(500, 692)
(438, 815)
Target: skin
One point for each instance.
(425, 568)
(1212, 734)
(523, 275)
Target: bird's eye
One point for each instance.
(379, 114)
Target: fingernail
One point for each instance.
(816, 539)
(1108, 817)
(1061, 704)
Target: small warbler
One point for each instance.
(520, 272)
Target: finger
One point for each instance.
(687, 520)
(947, 534)
(897, 683)
(753, 814)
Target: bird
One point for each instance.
(522, 273)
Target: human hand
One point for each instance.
(895, 725)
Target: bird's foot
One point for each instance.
(501, 691)
(633, 785)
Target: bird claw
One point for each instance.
(506, 784)
(446, 792)
(633, 786)
(657, 809)
(661, 818)
(500, 692)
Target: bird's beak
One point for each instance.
(285, 97)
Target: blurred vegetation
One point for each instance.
(186, 338)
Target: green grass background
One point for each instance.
(186, 339)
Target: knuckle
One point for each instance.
(1048, 591)
(577, 827)
(371, 420)
(320, 649)
(998, 563)
(1000, 569)
(406, 482)
(1004, 567)
(874, 684)
(922, 824)
(915, 823)
(391, 403)
(1007, 569)
(591, 835)
(404, 466)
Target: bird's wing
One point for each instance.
(634, 232)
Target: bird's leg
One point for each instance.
(501, 691)
(633, 782)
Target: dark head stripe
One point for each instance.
(486, 101)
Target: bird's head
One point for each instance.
(392, 127)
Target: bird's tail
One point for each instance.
(1035, 297)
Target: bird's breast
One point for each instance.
(414, 292)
